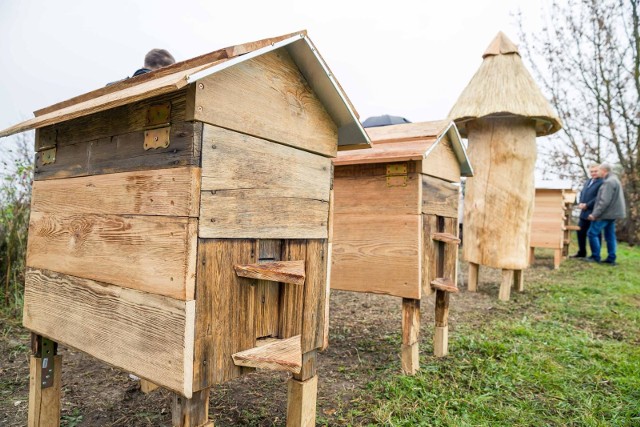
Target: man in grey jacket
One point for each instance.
(609, 207)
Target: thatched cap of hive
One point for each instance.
(502, 86)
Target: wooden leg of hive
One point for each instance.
(505, 286)
(557, 258)
(532, 255)
(518, 280)
(410, 356)
(45, 383)
(147, 386)
(301, 402)
(441, 336)
(472, 286)
(192, 412)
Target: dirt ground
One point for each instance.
(365, 336)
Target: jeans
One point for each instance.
(582, 236)
(609, 228)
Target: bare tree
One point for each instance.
(587, 58)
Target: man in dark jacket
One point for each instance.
(587, 202)
(609, 207)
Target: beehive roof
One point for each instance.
(180, 74)
(408, 141)
(502, 86)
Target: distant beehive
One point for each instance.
(501, 111)
(180, 220)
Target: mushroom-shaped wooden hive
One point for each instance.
(501, 111)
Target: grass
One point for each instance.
(566, 353)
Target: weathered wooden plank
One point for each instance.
(410, 320)
(314, 295)
(445, 238)
(439, 197)
(268, 293)
(171, 192)
(450, 252)
(277, 355)
(44, 403)
(474, 269)
(410, 358)
(309, 366)
(225, 306)
(123, 152)
(370, 169)
(301, 402)
(275, 271)
(372, 195)
(254, 163)
(267, 97)
(444, 284)
(152, 253)
(261, 214)
(146, 334)
(291, 297)
(378, 254)
(442, 162)
(193, 412)
(429, 260)
(505, 285)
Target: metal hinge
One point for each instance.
(157, 138)
(397, 175)
(48, 156)
(47, 353)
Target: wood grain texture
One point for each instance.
(301, 402)
(446, 285)
(146, 334)
(445, 238)
(267, 97)
(314, 295)
(518, 280)
(225, 309)
(548, 220)
(275, 271)
(429, 260)
(309, 366)
(169, 192)
(442, 308)
(268, 293)
(152, 253)
(505, 285)
(499, 197)
(193, 412)
(472, 285)
(44, 403)
(277, 355)
(292, 297)
(442, 162)
(450, 251)
(147, 387)
(410, 358)
(441, 341)
(122, 153)
(410, 320)
(378, 254)
(439, 197)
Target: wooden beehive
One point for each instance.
(551, 222)
(395, 220)
(179, 222)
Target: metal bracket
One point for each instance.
(159, 114)
(48, 156)
(157, 138)
(47, 353)
(397, 175)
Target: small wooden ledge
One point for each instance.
(276, 271)
(572, 227)
(275, 355)
(446, 238)
(443, 284)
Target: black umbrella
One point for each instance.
(384, 120)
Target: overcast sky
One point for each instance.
(407, 58)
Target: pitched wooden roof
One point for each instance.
(408, 141)
(180, 74)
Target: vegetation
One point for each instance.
(567, 352)
(15, 201)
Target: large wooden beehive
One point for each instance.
(180, 218)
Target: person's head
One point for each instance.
(593, 170)
(158, 58)
(604, 170)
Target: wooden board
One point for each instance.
(442, 162)
(548, 219)
(499, 197)
(291, 272)
(372, 195)
(170, 192)
(266, 190)
(266, 97)
(153, 254)
(148, 335)
(429, 260)
(292, 297)
(314, 295)
(268, 293)
(225, 310)
(44, 403)
(378, 254)
(439, 197)
(276, 355)
(301, 402)
(450, 261)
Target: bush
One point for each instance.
(15, 202)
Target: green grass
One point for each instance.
(566, 353)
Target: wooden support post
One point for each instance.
(301, 402)
(532, 255)
(410, 331)
(45, 383)
(441, 336)
(505, 286)
(518, 280)
(472, 286)
(557, 258)
(147, 386)
(192, 412)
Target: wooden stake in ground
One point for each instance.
(45, 382)
(501, 112)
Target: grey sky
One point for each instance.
(408, 58)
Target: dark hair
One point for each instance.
(158, 58)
